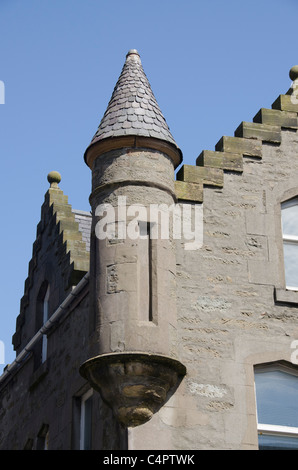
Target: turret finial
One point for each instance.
(133, 55)
(132, 52)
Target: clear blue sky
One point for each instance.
(211, 65)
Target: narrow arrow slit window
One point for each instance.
(145, 274)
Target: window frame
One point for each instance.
(288, 239)
(272, 429)
(83, 399)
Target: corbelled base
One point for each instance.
(134, 384)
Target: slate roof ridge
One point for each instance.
(133, 109)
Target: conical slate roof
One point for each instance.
(133, 109)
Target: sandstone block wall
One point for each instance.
(232, 306)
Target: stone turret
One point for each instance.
(134, 360)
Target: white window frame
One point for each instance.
(271, 429)
(289, 239)
(84, 398)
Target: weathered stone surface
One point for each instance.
(223, 160)
(275, 117)
(246, 147)
(135, 385)
(252, 130)
(189, 191)
(201, 175)
(286, 103)
(228, 316)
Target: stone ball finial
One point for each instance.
(132, 51)
(54, 178)
(294, 73)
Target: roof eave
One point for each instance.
(99, 147)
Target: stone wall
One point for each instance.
(232, 306)
(35, 400)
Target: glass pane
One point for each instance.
(291, 264)
(88, 424)
(276, 394)
(290, 218)
(267, 442)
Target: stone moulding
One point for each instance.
(100, 147)
(134, 384)
(108, 187)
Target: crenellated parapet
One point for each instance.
(230, 152)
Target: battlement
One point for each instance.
(230, 152)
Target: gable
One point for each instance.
(60, 257)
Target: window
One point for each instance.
(276, 388)
(41, 317)
(145, 271)
(81, 434)
(45, 319)
(86, 421)
(289, 211)
(42, 442)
